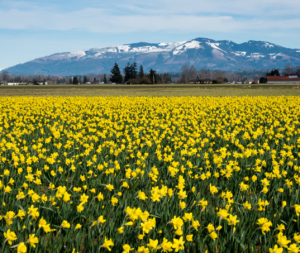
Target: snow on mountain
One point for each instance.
(239, 53)
(163, 57)
(269, 45)
(63, 56)
(273, 56)
(175, 48)
(215, 46)
(123, 48)
(157, 48)
(192, 44)
(256, 55)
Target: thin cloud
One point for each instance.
(99, 20)
(252, 8)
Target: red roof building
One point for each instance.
(283, 79)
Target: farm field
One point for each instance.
(150, 174)
(151, 90)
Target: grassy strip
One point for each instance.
(216, 92)
(243, 86)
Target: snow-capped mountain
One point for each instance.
(165, 57)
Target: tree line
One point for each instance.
(131, 74)
(134, 76)
(52, 79)
(189, 74)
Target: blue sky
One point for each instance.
(32, 29)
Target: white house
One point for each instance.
(15, 83)
(26, 83)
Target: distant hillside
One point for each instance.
(164, 57)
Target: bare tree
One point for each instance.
(204, 73)
(256, 79)
(218, 75)
(188, 73)
(185, 73)
(229, 77)
(181, 80)
(22, 78)
(192, 72)
(5, 75)
(288, 69)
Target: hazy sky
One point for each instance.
(32, 29)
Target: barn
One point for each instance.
(283, 79)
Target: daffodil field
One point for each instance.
(145, 174)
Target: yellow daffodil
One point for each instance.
(33, 240)
(107, 244)
(21, 248)
(10, 236)
(65, 224)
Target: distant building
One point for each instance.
(249, 81)
(283, 79)
(26, 83)
(200, 80)
(39, 82)
(12, 83)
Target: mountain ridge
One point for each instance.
(164, 57)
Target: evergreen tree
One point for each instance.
(130, 71)
(141, 72)
(152, 76)
(75, 80)
(105, 79)
(116, 76)
(263, 80)
(85, 80)
(127, 74)
(274, 72)
(134, 72)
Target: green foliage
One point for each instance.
(263, 80)
(85, 80)
(152, 76)
(274, 72)
(141, 72)
(130, 71)
(140, 80)
(116, 76)
(75, 80)
(153, 145)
